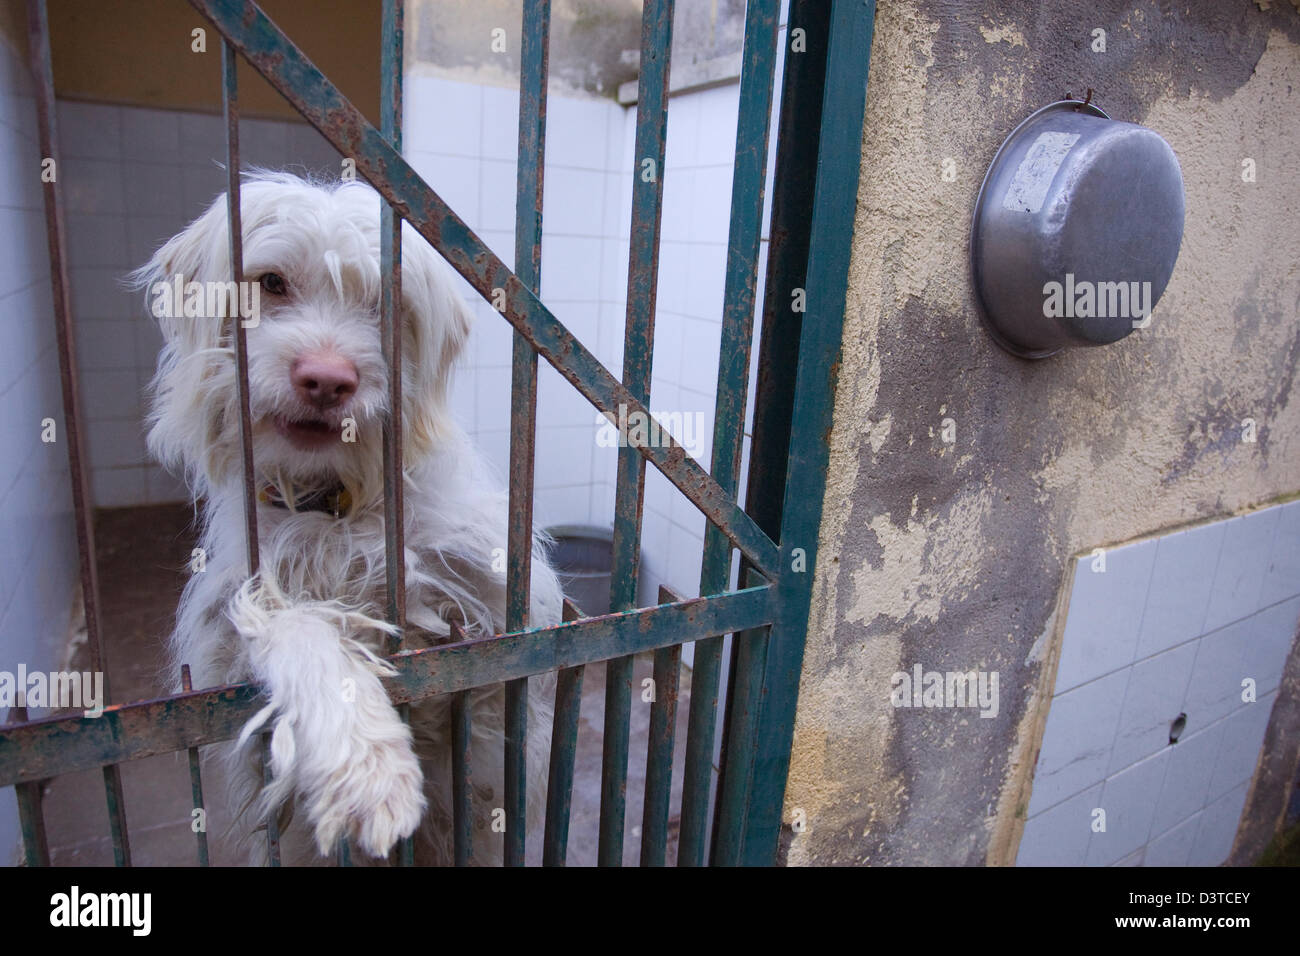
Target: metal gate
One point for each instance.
(816, 177)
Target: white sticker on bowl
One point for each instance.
(1029, 186)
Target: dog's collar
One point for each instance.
(334, 500)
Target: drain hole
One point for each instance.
(1177, 727)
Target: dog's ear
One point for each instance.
(186, 392)
(198, 253)
(437, 326)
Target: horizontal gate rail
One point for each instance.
(57, 745)
(285, 67)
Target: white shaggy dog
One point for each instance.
(309, 629)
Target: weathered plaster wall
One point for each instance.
(953, 555)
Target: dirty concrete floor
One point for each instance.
(142, 557)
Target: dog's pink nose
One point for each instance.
(324, 379)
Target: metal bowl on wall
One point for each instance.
(1076, 230)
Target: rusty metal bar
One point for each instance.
(390, 323)
(533, 68)
(461, 771)
(311, 94)
(272, 818)
(747, 193)
(38, 35)
(390, 310)
(31, 813)
(196, 781)
(659, 755)
(638, 353)
(230, 109)
(56, 745)
(117, 816)
(235, 229)
(564, 749)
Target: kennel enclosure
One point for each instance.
(819, 130)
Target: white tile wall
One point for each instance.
(589, 170)
(132, 178)
(1178, 624)
(38, 556)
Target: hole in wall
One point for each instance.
(1177, 727)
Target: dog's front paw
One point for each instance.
(376, 799)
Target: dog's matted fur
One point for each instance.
(309, 628)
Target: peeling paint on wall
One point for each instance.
(952, 553)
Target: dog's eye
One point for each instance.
(273, 283)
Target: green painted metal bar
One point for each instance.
(838, 175)
(272, 818)
(307, 89)
(31, 821)
(461, 806)
(638, 353)
(564, 750)
(533, 71)
(462, 810)
(38, 37)
(659, 753)
(117, 816)
(744, 698)
(196, 782)
(57, 745)
(343, 852)
(390, 298)
(747, 193)
(31, 813)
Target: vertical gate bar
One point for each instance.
(564, 749)
(787, 269)
(390, 268)
(31, 813)
(273, 818)
(117, 816)
(343, 852)
(235, 228)
(533, 70)
(839, 158)
(659, 753)
(196, 781)
(638, 353)
(461, 771)
(787, 265)
(390, 298)
(462, 811)
(230, 107)
(749, 659)
(31, 820)
(38, 35)
(747, 192)
(795, 179)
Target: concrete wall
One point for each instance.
(953, 555)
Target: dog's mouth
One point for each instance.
(308, 434)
